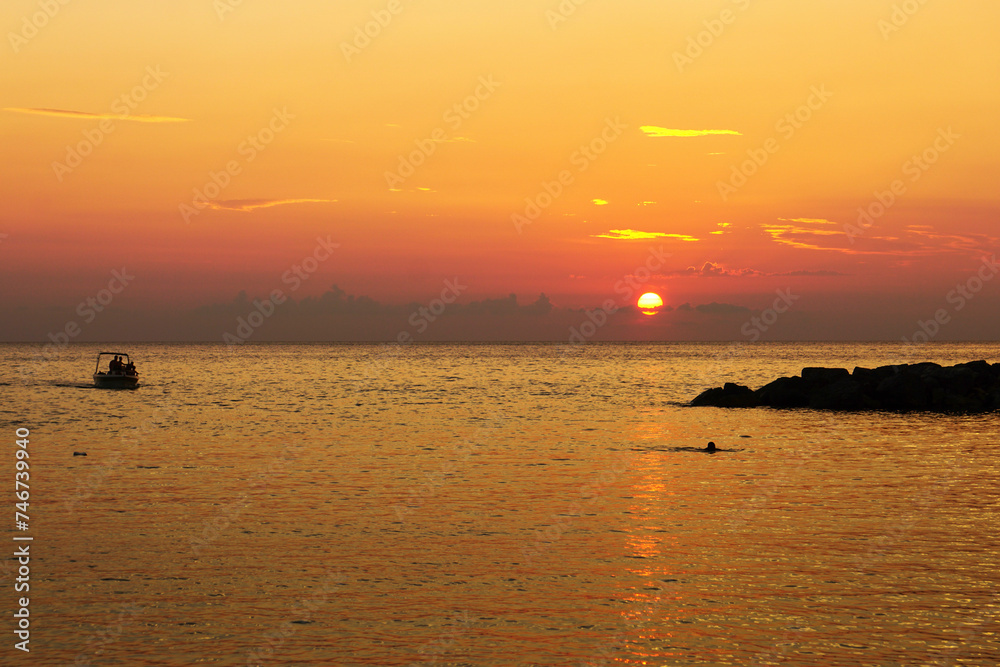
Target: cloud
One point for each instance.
(802, 236)
(962, 243)
(654, 131)
(913, 241)
(809, 221)
(715, 270)
(721, 309)
(810, 273)
(250, 205)
(714, 309)
(63, 113)
(636, 235)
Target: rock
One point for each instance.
(978, 367)
(846, 395)
(956, 379)
(873, 375)
(903, 391)
(729, 396)
(784, 393)
(824, 376)
(972, 387)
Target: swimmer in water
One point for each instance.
(710, 447)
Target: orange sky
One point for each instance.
(737, 139)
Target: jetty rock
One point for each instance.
(972, 387)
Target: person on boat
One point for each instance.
(130, 369)
(114, 365)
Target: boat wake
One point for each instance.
(70, 385)
(684, 449)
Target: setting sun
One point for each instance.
(650, 303)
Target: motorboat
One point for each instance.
(120, 375)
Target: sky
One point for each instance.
(777, 170)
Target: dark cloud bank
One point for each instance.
(336, 316)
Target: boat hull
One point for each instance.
(116, 381)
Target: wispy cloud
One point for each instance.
(64, 113)
(250, 205)
(809, 221)
(913, 241)
(654, 131)
(817, 274)
(636, 235)
(716, 270)
(714, 308)
(713, 270)
(801, 236)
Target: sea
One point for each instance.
(523, 504)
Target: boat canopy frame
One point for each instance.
(97, 369)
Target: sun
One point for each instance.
(650, 303)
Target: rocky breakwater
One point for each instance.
(966, 388)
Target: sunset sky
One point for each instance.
(717, 153)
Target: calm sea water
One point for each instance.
(494, 505)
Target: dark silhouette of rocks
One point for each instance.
(964, 388)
